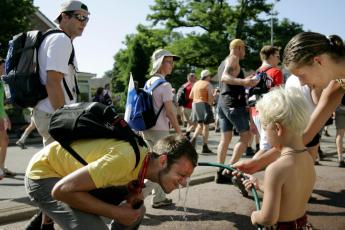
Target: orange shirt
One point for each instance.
(200, 91)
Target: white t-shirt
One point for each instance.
(54, 54)
(161, 94)
(291, 82)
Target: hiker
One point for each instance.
(60, 185)
(232, 105)
(317, 61)
(162, 66)
(202, 95)
(5, 124)
(289, 181)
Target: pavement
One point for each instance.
(204, 204)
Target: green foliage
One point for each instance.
(15, 18)
(214, 23)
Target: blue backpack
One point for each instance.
(143, 116)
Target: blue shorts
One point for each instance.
(233, 117)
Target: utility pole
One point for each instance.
(272, 14)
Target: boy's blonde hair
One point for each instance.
(285, 106)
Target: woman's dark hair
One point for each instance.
(175, 146)
(99, 91)
(303, 47)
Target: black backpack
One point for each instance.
(181, 96)
(91, 120)
(22, 69)
(264, 85)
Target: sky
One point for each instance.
(111, 20)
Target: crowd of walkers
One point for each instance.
(261, 106)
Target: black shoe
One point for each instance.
(205, 149)
(222, 178)
(249, 152)
(217, 130)
(341, 164)
(49, 226)
(320, 152)
(188, 135)
(35, 222)
(236, 180)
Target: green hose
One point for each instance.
(228, 167)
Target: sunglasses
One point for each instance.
(80, 17)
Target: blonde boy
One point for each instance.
(289, 181)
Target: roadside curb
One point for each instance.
(15, 211)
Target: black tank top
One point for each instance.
(233, 95)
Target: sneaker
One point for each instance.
(35, 222)
(249, 152)
(321, 154)
(236, 180)
(21, 145)
(205, 149)
(162, 203)
(341, 164)
(221, 178)
(9, 173)
(2, 174)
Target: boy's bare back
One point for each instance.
(290, 179)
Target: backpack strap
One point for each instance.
(155, 84)
(70, 61)
(265, 70)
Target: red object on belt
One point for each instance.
(294, 225)
(137, 186)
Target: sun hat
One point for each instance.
(157, 59)
(204, 74)
(72, 6)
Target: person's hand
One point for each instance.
(250, 81)
(250, 181)
(128, 215)
(7, 123)
(248, 166)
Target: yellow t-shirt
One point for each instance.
(110, 162)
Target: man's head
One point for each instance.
(205, 75)
(271, 55)
(177, 160)
(191, 77)
(73, 17)
(237, 47)
(163, 62)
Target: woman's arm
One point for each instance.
(329, 100)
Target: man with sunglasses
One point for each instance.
(57, 66)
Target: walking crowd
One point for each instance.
(262, 106)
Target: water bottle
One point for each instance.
(7, 92)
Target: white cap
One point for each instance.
(72, 6)
(205, 73)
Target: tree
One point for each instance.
(214, 23)
(15, 18)
(218, 22)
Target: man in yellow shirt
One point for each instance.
(60, 185)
